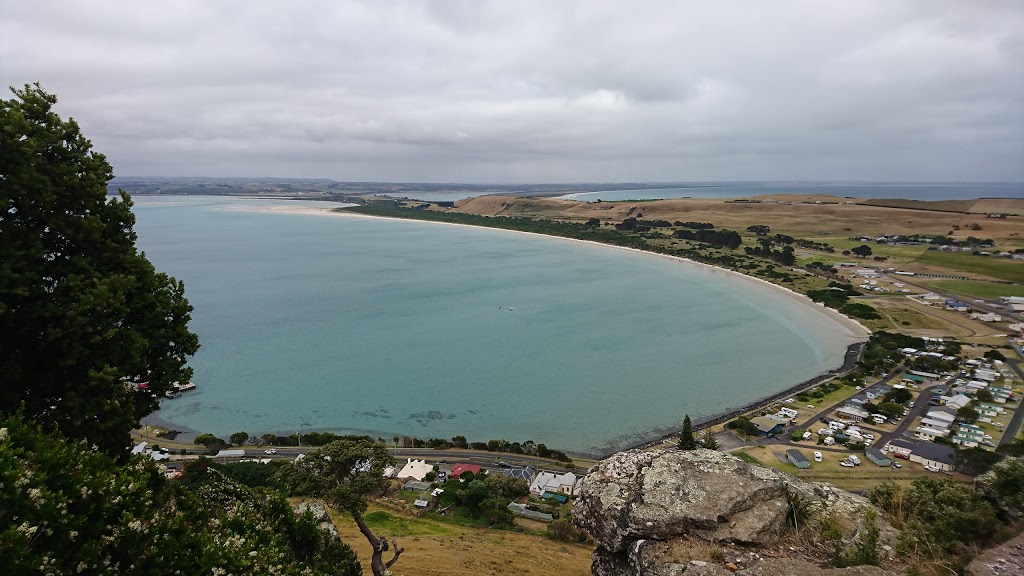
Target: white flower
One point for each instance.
(3, 434)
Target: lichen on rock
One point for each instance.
(635, 504)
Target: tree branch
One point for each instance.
(373, 540)
(398, 552)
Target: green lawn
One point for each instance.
(978, 289)
(395, 525)
(1001, 268)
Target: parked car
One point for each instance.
(824, 432)
(901, 456)
(846, 464)
(817, 456)
(868, 435)
(806, 436)
(897, 465)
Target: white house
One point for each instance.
(416, 469)
(986, 375)
(933, 423)
(942, 416)
(936, 455)
(567, 483)
(957, 402)
(930, 434)
(900, 447)
(852, 413)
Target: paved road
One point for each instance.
(984, 305)
(487, 460)
(1013, 428)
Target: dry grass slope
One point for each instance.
(434, 548)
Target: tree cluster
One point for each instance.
(722, 238)
(695, 225)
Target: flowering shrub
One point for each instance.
(66, 508)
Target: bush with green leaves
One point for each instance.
(67, 508)
(937, 517)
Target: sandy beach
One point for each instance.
(854, 331)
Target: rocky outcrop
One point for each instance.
(1005, 560)
(642, 506)
(983, 485)
(320, 514)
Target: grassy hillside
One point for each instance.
(436, 548)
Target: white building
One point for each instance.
(415, 469)
(567, 483)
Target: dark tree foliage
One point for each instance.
(976, 461)
(898, 395)
(66, 509)
(863, 250)
(696, 225)
(759, 229)
(686, 439)
(995, 355)
(85, 317)
(723, 238)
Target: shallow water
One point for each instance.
(354, 324)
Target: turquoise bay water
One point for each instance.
(355, 324)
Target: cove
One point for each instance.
(315, 321)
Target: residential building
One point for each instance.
(415, 469)
(458, 469)
(878, 457)
(939, 456)
(852, 413)
(904, 447)
(956, 402)
(524, 473)
(768, 425)
(797, 458)
(930, 434)
(565, 483)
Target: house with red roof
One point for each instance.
(458, 469)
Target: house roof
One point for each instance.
(765, 423)
(417, 469)
(797, 455)
(458, 469)
(550, 481)
(936, 452)
(853, 411)
(876, 454)
(524, 473)
(906, 444)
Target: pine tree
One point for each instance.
(686, 441)
(708, 440)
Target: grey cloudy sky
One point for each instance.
(547, 91)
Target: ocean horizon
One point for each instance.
(875, 190)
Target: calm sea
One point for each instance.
(910, 191)
(354, 324)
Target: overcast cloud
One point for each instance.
(541, 91)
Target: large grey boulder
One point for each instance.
(323, 519)
(635, 503)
